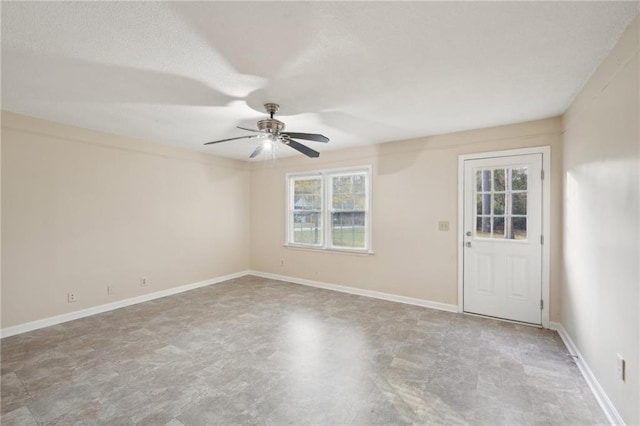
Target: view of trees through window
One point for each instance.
(348, 204)
(501, 203)
(307, 216)
(335, 200)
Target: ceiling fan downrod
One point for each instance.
(271, 125)
(271, 108)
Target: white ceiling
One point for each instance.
(183, 73)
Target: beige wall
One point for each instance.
(82, 210)
(414, 187)
(600, 294)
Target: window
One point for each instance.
(501, 203)
(330, 209)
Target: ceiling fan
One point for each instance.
(271, 130)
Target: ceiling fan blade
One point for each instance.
(257, 151)
(303, 149)
(232, 139)
(248, 130)
(307, 136)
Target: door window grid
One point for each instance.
(501, 203)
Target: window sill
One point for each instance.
(330, 250)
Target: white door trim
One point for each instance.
(546, 217)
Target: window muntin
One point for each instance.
(330, 209)
(501, 203)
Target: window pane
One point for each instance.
(498, 204)
(498, 227)
(307, 194)
(349, 192)
(307, 227)
(519, 205)
(498, 179)
(348, 229)
(483, 180)
(359, 184)
(483, 204)
(520, 228)
(519, 179)
(483, 227)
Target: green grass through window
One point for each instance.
(352, 237)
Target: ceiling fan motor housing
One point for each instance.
(270, 125)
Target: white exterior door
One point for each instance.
(502, 251)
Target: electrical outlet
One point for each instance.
(443, 225)
(110, 290)
(621, 367)
(72, 297)
(143, 281)
(281, 262)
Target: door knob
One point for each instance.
(467, 244)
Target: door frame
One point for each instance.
(546, 217)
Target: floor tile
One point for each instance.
(258, 351)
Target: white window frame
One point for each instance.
(326, 189)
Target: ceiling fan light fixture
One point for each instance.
(271, 135)
(267, 145)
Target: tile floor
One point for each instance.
(257, 351)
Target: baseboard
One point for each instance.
(605, 403)
(58, 319)
(360, 292)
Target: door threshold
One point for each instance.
(529, 324)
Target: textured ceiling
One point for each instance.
(184, 73)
